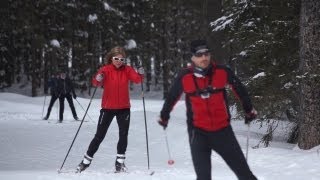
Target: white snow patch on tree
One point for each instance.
(221, 22)
(250, 23)
(222, 26)
(288, 85)
(92, 18)
(107, 7)
(262, 74)
(55, 43)
(243, 53)
(131, 44)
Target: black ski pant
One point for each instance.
(61, 101)
(225, 144)
(105, 119)
(52, 101)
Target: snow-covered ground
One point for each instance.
(34, 149)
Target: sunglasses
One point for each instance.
(119, 59)
(201, 54)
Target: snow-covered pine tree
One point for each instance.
(262, 43)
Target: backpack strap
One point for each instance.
(205, 91)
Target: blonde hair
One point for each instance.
(113, 52)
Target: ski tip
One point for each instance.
(151, 173)
(60, 171)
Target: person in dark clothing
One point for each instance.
(53, 85)
(115, 77)
(64, 89)
(208, 118)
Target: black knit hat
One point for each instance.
(199, 46)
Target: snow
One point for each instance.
(32, 148)
(107, 6)
(243, 53)
(288, 85)
(131, 44)
(55, 43)
(92, 18)
(249, 24)
(221, 23)
(262, 74)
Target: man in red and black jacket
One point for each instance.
(208, 116)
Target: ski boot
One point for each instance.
(84, 164)
(119, 164)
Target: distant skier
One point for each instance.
(114, 77)
(208, 116)
(53, 85)
(64, 89)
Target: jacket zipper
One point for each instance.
(118, 88)
(208, 109)
(209, 113)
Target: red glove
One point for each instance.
(163, 123)
(250, 116)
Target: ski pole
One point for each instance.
(44, 103)
(145, 122)
(170, 161)
(247, 147)
(83, 108)
(95, 89)
(58, 109)
(144, 112)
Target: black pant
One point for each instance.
(61, 101)
(225, 144)
(52, 100)
(105, 119)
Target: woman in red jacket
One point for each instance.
(114, 77)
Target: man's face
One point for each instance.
(201, 60)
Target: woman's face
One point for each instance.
(118, 60)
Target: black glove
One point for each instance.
(163, 123)
(250, 116)
(74, 96)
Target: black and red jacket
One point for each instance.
(116, 85)
(212, 113)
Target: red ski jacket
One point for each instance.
(206, 97)
(116, 85)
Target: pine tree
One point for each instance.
(262, 40)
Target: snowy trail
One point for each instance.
(31, 148)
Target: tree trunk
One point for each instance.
(310, 59)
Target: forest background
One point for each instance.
(262, 41)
